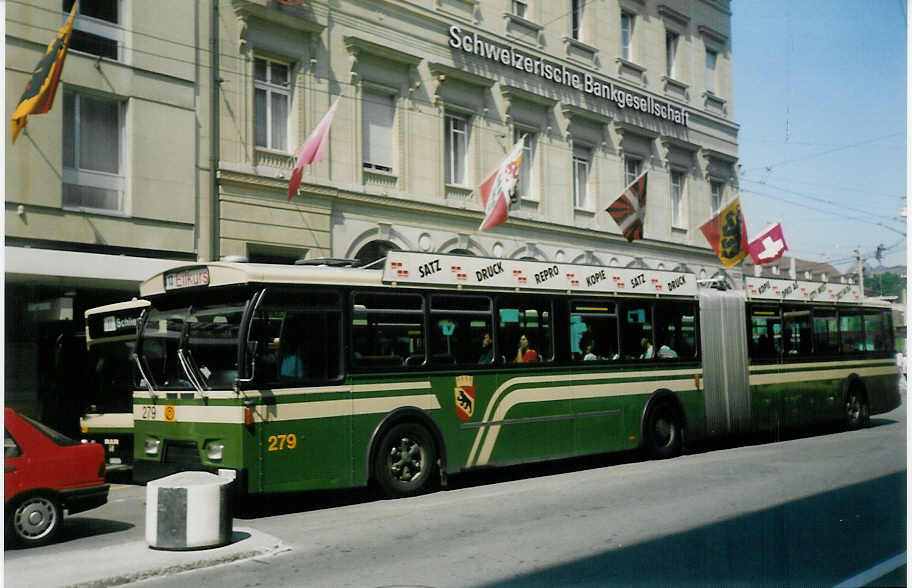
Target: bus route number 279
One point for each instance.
(282, 442)
(148, 413)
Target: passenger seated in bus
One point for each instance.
(292, 368)
(590, 352)
(525, 353)
(648, 350)
(666, 352)
(487, 349)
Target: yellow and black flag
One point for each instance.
(39, 92)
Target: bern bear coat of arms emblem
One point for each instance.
(464, 396)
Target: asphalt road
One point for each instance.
(806, 510)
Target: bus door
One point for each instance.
(723, 346)
(534, 406)
(107, 399)
(304, 405)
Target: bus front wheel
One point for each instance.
(405, 459)
(664, 431)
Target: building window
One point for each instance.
(271, 94)
(711, 57)
(582, 160)
(519, 8)
(632, 169)
(716, 190)
(671, 51)
(377, 129)
(525, 187)
(96, 31)
(92, 130)
(677, 199)
(457, 140)
(576, 19)
(627, 36)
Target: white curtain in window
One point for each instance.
(279, 121)
(378, 130)
(99, 137)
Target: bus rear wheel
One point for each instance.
(405, 460)
(664, 431)
(858, 413)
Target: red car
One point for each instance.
(46, 473)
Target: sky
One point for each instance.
(820, 96)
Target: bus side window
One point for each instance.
(593, 331)
(387, 330)
(765, 332)
(826, 330)
(457, 330)
(637, 336)
(676, 330)
(796, 330)
(524, 331)
(850, 330)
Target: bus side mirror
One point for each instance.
(251, 351)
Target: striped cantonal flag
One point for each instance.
(630, 208)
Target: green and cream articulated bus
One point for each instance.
(304, 377)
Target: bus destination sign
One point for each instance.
(406, 267)
(187, 278)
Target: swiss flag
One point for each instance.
(768, 246)
(495, 190)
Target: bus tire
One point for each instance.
(405, 460)
(664, 431)
(858, 413)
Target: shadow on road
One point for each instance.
(292, 502)
(816, 541)
(80, 527)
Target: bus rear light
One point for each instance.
(248, 416)
(152, 446)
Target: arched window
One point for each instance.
(375, 250)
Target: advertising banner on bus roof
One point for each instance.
(801, 291)
(432, 269)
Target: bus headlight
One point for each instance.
(152, 446)
(214, 451)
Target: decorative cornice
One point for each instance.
(517, 94)
(713, 34)
(674, 15)
(247, 10)
(445, 72)
(357, 45)
(571, 112)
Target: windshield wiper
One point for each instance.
(185, 363)
(142, 374)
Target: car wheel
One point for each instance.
(36, 520)
(405, 460)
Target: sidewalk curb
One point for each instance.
(193, 560)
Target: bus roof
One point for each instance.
(445, 271)
(117, 306)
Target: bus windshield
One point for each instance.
(192, 346)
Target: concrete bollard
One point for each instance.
(189, 510)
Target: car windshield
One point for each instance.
(192, 346)
(58, 438)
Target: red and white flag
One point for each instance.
(311, 151)
(629, 210)
(496, 189)
(768, 246)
